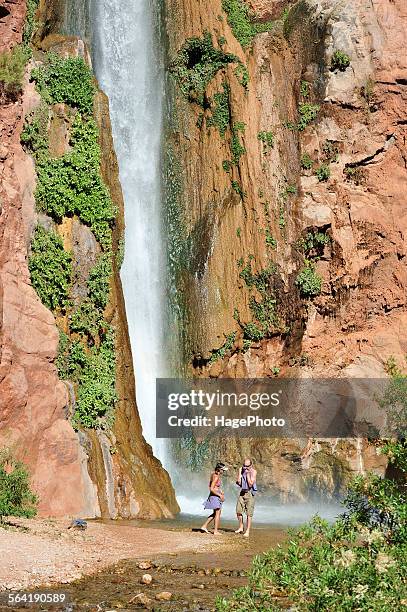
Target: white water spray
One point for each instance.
(130, 72)
(128, 65)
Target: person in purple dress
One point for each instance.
(215, 498)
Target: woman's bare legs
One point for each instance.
(217, 521)
(208, 520)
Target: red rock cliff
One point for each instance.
(322, 153)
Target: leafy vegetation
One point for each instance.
(242, 75)
(72, 184)
(267, 138)
(340, 61)
(330, 151)
(355, 174)
(16, 497)
(304, 89)
(71, 358)
(96, 390)
(308, 113)
(12, 66)
(236, 147)
(34, 134)
(196, 64)
(270, 240)
(306, 162)
(312, 243)
(308, 281)
(67, 80)
(221, 113)
(30, 23)
(99, 281)
(241, 20)
(263, 305)
(226, 346)
(237, 188)
(50, 268)
(86, 320)
(323, 172)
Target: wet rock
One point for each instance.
(141, 599)
(163, 596)
(144, 565)
(146, 579)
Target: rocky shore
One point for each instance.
(40, 552)
(122, 565)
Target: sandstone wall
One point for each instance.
(359, 319)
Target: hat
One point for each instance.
(221, 466)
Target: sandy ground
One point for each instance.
(44, 552)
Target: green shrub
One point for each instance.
(30, 23)
(242, 75)
(86, 320)
(238, 15)
(240, 18)
(221, 113)
(226, 346)
(313, 243)
(34, 135)
(306, 162)
(72, 184)
(308, 281)
(99, 281)
(354, 174)
(67, 80)
(227, 165)
(340, 61)
(236, 147)
(12, 67)
(71, 358)
(308, 113)
(120, 252)
(16, 497)
(323, 172)
(394, 401)
(196, 64)
(266, 320)
(252, 332)
(304, 89)
(330, 151)
(237, 188)
(50, 268)
(267, 138)
(270, 240)
(96, 392)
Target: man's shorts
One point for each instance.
(245, 504)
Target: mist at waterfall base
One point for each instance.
(269, 510)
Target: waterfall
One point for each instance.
(127, 61)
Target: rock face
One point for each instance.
(275, 193)
(86, 473)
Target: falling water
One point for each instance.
(127, 61)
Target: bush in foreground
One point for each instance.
(16, 497)
(359, 562)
